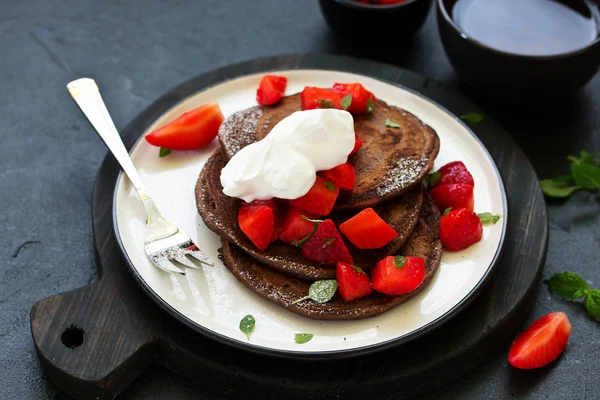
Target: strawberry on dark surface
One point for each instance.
(294, 227)
(362, 100)
(320, 199)
(454, 196)
(353, 282)
(343, 176)
(366, 230)
(258, 224)
(315, 97)
(270, 89)
(357, 145)
(541, 343)
(396, 275)
(460, 229)
(326, 246)
(454, 172)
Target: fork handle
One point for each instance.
(86, 94)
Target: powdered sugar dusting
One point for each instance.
(404, 172)
(238, 130)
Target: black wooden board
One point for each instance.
(94, 341)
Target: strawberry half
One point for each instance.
(456, 195)
(353, 282)
(315, 97)
(258, 224)
(396, 275)
(366, 230)
(343, 176)
(357, 145)
(320, 199)
(454, 172)
(460, 229)
(326, 246)
(270, 89)
(363, 101)
(541, 343)
(295, 228)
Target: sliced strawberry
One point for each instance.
(278, 210)
(353, 282)
(258, 224)
(294, 227)
(460, 229)
(396, 275)
(326, 246)
(320, 199)
(363, 101)
(541, 343)
(454, 172)
(315, 97)
(343, 176)
(456, 195)
(357, 145)
(366, 230)
(270, 89)
(192, 130)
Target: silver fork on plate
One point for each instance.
(164, 243)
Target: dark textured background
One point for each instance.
(136, 51)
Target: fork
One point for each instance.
(164, 243)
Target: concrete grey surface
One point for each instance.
(137, 50)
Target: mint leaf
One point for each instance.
(329, 185)
(399, 261)
(346, 101)
(357, 269)
(302, 338)
(370, 105)
(328, 242)
(163, 152)
(325, 103)
(586, 158)
(447, 210)
(247, 325)
(557, 187)
(320, 291)
(473, 118)
(488, 218)
(391, 124)
(316, 222)
(586, 176)
(434, 178)
(592, 303)
(568, 285)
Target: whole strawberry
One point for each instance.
(460, 229)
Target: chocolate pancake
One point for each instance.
(284, 290)
(219, 213)
(391, 161)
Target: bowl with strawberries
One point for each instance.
(334, 205)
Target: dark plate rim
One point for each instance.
(233, 71)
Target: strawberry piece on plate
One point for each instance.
(295, 228)
(343, 176)
(353, 282)
(277, 213)
(314, 97)
(454, 172)
(326, 246)
(357, 145)
(460, 229)
(258, 224)
(456, 195)
(366, 230)
(541, 343)
(192, 130)
(363, 101)
(270, 89)
(396, 275)
(320, 199)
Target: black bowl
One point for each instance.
(375, 24)
(528, 79)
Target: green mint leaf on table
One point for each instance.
(302, 338)
(328, 242)
(316, 222)
(346, 102)
(447, 210)
(320, 291)
(247, 325)
(488, 218)
(391, 124)
(163, 152)
(586, 158)
(399, 261)
(558, 187)
(329, 185)
(592, 303)
(568, 285)
(370, 105)
(587, 176)
(473, 118)
(325, 103)
(357, 269)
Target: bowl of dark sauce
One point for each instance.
(529, 51)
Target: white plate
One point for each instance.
(213, 301)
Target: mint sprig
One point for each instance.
(472, 117)
(571, 286)
(247, 325)
(163, 152)
(346, 101)
(585, 174)
(391, 124)
(302, 338)
(316, 222)
(320, 291)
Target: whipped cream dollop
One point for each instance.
(285, 163)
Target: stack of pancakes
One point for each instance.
(390, 167)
